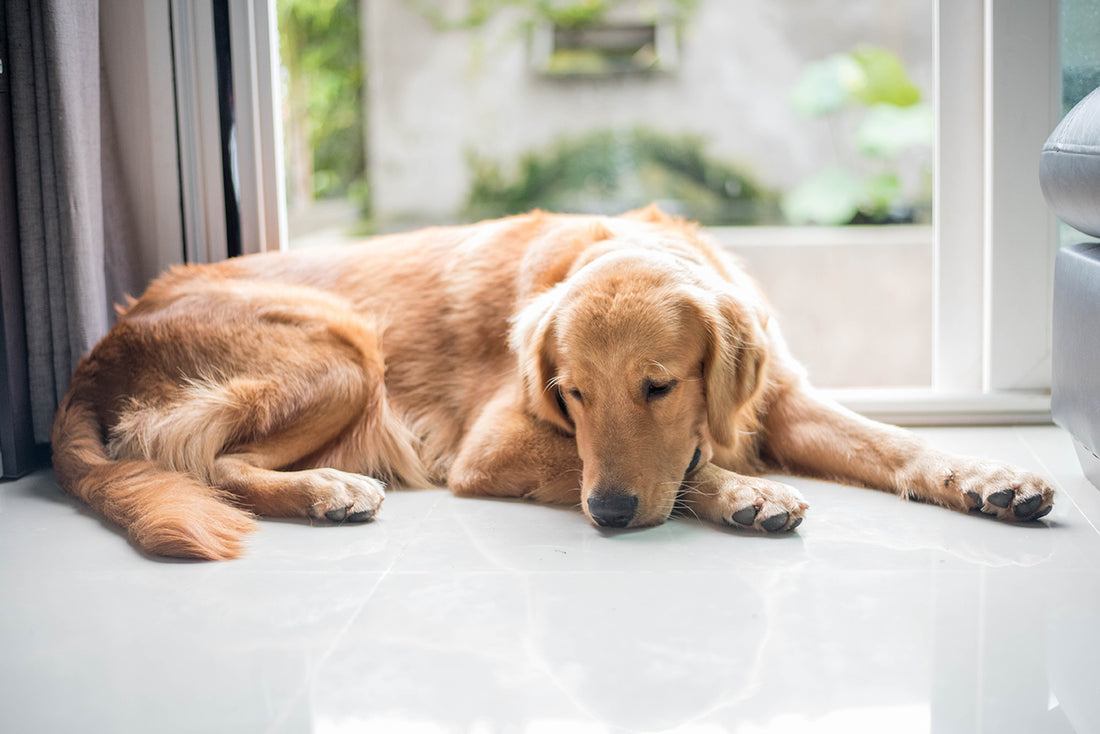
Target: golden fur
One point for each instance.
(622, 364)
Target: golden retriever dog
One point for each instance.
(624, 365)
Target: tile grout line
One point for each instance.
(1037, 455)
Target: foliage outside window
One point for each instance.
(893, 120)
(324, 108)
(611, 171)
(567, 14)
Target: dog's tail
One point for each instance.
(165, 512)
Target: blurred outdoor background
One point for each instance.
(754, 112)
(800, 133)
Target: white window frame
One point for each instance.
(160, 55)
(998, 86)
(134, 40)
(254, 43)
(258, 149)
(196, 101)
(997, 97)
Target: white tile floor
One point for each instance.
(449, 615)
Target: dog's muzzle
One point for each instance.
(613, 508)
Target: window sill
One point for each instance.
(928, 407)
(736, 238)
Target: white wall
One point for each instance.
(435, 95)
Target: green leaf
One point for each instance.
(887, 131)
(832, 197)
(884, 79)
(574, 15)
(882, 192)
(826, 86)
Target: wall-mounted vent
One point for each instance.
(605, 49)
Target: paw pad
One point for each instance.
(745, 516)
(1018, 502)
(776, 522)
(342, 496)
(1028, 507)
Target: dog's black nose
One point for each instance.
(614, 509)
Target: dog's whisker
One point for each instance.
(667, 371)
(685, 508)
(690, 491)
(553, 382)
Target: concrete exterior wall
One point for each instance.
(435, 95)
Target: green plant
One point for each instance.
(609, 171)
(561, 13)
(319, 49)
(893, 121)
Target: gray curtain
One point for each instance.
(62, 173)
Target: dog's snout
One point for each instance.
(613, 508)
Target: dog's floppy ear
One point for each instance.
(532, 340)
(734, 362)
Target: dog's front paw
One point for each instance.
(1003, 491)
(761, 504)
(341, 496)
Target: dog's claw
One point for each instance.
(1002, 498)
(776, 522)
(363, 516)
(1028, 507)
(337, 515)
(745, 516)
(1044, 512)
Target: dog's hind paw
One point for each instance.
(340, 496)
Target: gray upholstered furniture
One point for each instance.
(1070, 175)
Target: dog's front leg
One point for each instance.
(722, 496)
(509, 453)
(808, 435)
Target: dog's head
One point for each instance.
(647, 360)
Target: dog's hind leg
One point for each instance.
(253, 438)
(313, 459)
(262, 474)
(289, 424)
(323, 493)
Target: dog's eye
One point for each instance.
(656, 390)
(694, 461)
(576, 395)
(561, 403)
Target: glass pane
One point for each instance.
(324, 120)
(758, 114)
(1080, 31)
(1080, 42)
